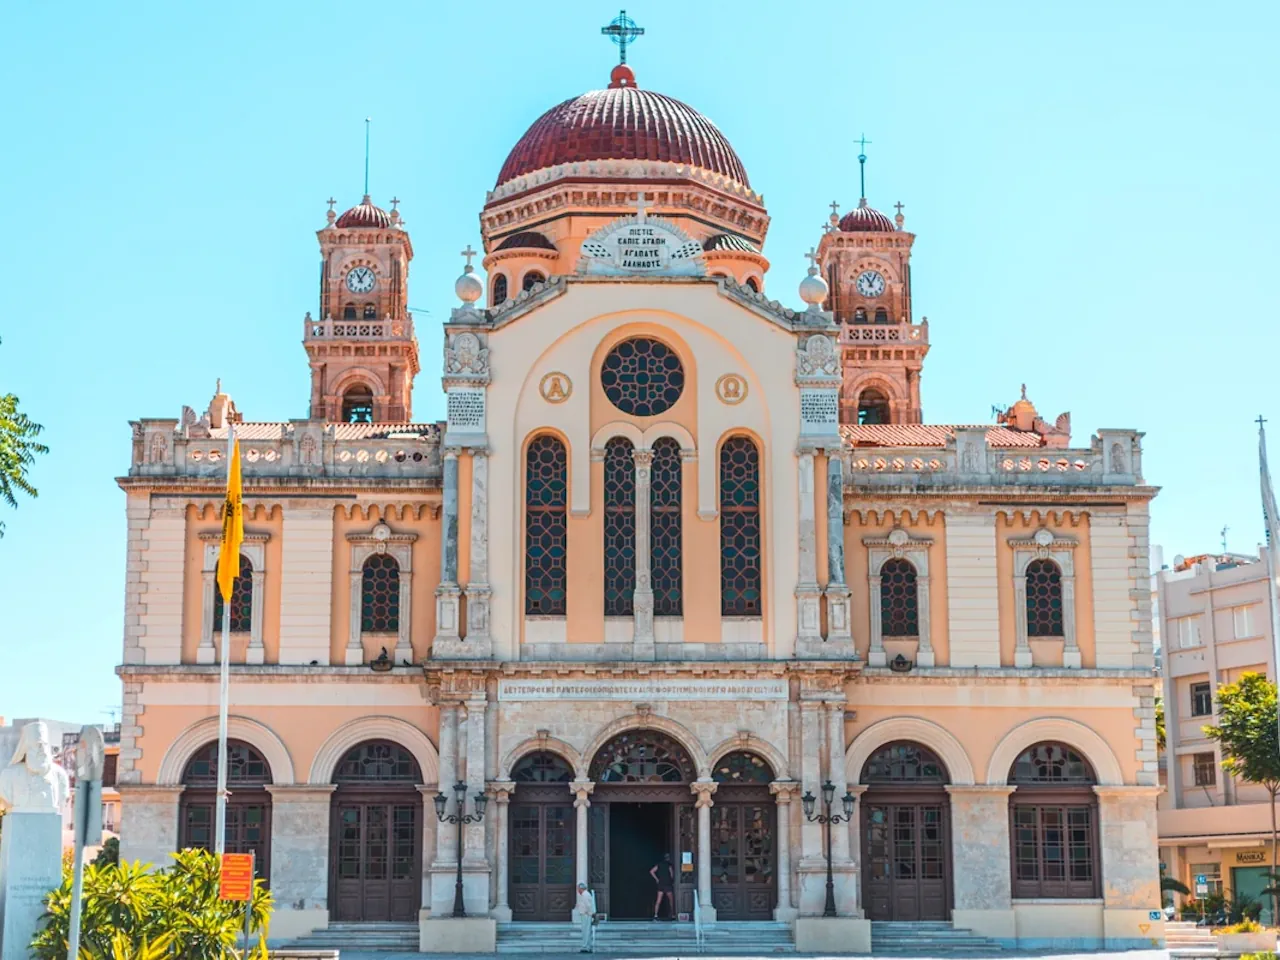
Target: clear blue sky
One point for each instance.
(1092, 185)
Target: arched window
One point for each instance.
(542, 767)
(377, 761)
(380, 594)
(860, 315)
(241, 600)
(882, 315)
(499, 289)
(740, 591)
(370, 312)
(665, 530)
(1044, 599)
(349, 312)
(357, 405)
(530, 278)
(546, 529)
(899, 612)
(1053, 815)
(753, 285)
(904, 762)
(873, 407)
(741, 767)
(642, 756)
(619, 528)
(248, 806)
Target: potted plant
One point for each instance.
(1247, 936)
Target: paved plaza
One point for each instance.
(1114, 955)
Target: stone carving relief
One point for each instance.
(32, 782)
(466, 355)
(1118, 464)
(159, 448)
(731, 389)
(816, 357)
(308, 451)
(555, 387)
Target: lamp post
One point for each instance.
(829, 819)
(461, 817)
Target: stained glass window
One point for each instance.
(245, 766)
(642, 377)
(500, 289)
(1044, 599)
(903, 763)
(665, 529)
(542, 767)
(1050, 763)
(546, 527)
(740, 591)
(619, 528)
(380, 761)
(642, 756)
(241, 599)
(899, 616)
(742, 767)
(380, 594)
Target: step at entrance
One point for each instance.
(645, 938)
(391, 937)
(929, 939)
(1188, 939)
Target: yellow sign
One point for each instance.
(237, 877)
(1251, 858)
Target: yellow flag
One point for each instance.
(232, 528)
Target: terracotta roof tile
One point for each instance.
(930, 435)
(344, 431)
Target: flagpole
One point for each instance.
(224, 686)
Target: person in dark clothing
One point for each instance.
(664, 875)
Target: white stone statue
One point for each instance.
(33, 782)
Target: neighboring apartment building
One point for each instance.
(1214, 616)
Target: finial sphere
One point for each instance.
(813, 289)
(468, 288)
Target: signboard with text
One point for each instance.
(236, 882)
(640, 246)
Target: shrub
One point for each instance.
(1244, 926)
(109, 854)
(131, 913)
(1260, 955)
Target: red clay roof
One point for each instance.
(344, 431)
(929, 435)
(365, 214)
(864, 219)
(623, 123)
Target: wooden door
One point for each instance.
(906, 856)
(742, 859)
(377, 860)
(542, 841)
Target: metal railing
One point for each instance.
(697, 922)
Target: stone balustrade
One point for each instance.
(872, 333)
(330, 328)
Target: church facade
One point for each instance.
(683, 551)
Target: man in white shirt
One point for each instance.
(584, 911)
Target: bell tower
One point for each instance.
(866, 259)
(363, 353)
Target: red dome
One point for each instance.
(623, 123)
(365, 215)
(864, 219)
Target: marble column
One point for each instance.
(980, 859)
(300, 857)
(581, 790)
(448, 594)
(500, 791)
(473, 835)
(783, 791)
(703, 789)
(256, 653)
(643, 597)
(479, 643)
(839, 616)
(1022, 648)
(808, 613)
(924, 651)
(446, 859)
(835, 773)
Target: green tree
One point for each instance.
(1248, 735)
(18, 449)
(1160, 737)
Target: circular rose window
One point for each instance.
(642, 377)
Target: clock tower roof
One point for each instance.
(365, 214)
(865, 219)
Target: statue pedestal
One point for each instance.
(30, 866)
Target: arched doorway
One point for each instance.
(542, 832)
(906, 835)
(743, 839)
(375, 852)
(1053, 820)
(248, 806)
(641, 810)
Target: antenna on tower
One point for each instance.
(367, 121)
(1224, 538)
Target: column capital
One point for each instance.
(428, 790)
(500, 790)
(581, 790)
(784, 790)
(642, 458)
(857, 790)
(451, 452)
(703, 789)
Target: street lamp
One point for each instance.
(481, 801)
(828, 818)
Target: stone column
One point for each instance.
(1129, 851)
(808, 614)
(256, 652)
(473, 834)
(479, 642)
(300, 857)
(1022, 648)
(924, 652)
(839, 628)
(149, 823)
(835, 773)
(581, 790)
(446, 859)
(643, 597)
(500, 791)
(448, 594)
(853, 829)
(980, 860)
(783, 791)
(811, 848)
(703, 789)
(876, 655)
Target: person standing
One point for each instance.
(664, 875)
(585, 911)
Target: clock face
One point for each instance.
(870, 283)
(361, 280)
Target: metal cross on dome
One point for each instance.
(812, 257)
(622, 30)
(468, 253)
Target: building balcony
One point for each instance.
(386, 328)
(864, 334)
